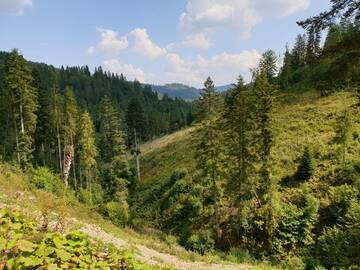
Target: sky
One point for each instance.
(154, 41)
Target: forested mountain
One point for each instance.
(177, 90)
(268, 171)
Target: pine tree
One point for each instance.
(21, 98)
(209, 151)
(87, 151)
(239, 140)
(268, 64)
(113, 152)
(299, 52)
(70, 130)
(313, 46)
(306, 166)
(264, 105)
(286, 69)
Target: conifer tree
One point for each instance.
(286, 69)
(209, 151)
(21, 98)
(239, 133)
(87, 151)
(299, 52)
(306, 166)
(116, 167)
(268, 64)
(313, 46)
(264, 104)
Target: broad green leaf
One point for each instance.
(63, 255)
(25, 245)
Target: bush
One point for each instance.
(117, 212)
(43, 178)
(93, 198)
(201, 242)
(293, 263)
(306, 166)
(341, 198)
(236, 255)
(332, 247)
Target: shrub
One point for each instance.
(117, 212)
(306, 167)
(293, 263)
(43, 178)
(93, 198)
(201, 242)
(341, 197)
(237, 255)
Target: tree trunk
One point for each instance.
(69, 156)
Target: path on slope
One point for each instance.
(153, 257)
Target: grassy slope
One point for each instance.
(301, 119)
(152, 247)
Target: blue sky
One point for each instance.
(158, 41)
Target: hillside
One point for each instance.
(59, 213)
(301, 119)
(177, 90)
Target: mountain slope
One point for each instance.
(177, 90)
(152, 248)
(301, 119)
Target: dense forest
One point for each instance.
(87, 129)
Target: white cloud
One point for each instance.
(242, 61)
(224, 67)
(14, 7)
(110, 44)
(236, 15)
(144, 46)
(199, 41)
(128, 70)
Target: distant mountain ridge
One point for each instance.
(179, 90)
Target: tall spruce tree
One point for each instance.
(21, 98)
(264, 105)
(209, 151)
(87, 151)
(116, 170)
(268, 64)
(239, 133)
(299, 52)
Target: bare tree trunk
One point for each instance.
(69, 156)
(22, 118)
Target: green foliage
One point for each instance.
(23, 247)
(20, 105)
(117, 212)
(93, 197)
(306, 167)
(201, 242)
(43, 178)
